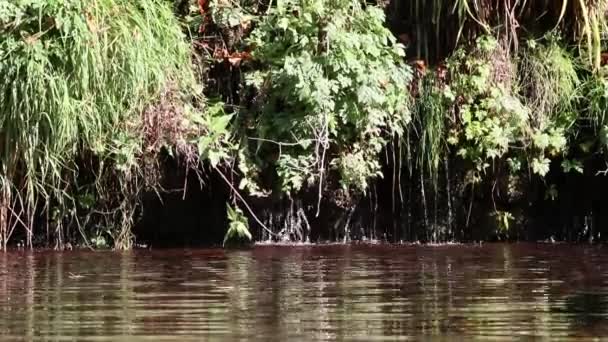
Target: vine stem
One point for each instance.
(238, 195)
(324, 144)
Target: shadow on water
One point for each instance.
(586, 309)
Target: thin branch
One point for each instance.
(281, 143)
(238, 195)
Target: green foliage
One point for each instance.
(496, 122)
(569, 165)
(332, 89)
(492, 119)
(99, 242)
(76, 76)
(595, 103)
(551, 193)
(238, 226)
(231, 13)
(430, 112)
(549, 81)
(503, 222)
(213, 143)
(356, 168)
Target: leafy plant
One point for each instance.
(496, 123)
(331, 88)
(492, 119)
(595, 103)
(569, 165)
(238, 226)
(100, 241)
(213, 142)
(503, 220)
(230, 13)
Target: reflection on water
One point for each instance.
(307, 293)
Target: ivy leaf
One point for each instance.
(448, 94)
(514, 164)
(540, 166)
(541, 140)
(399, 49)
(238, 225)
(557, 140)
(569, 165)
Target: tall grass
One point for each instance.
(429, 119)
(595, 104)
(76, 75)
(548, 79)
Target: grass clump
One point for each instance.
(549, 80)
(76, 78)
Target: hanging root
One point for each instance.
(448, 195)
(4, 206)
(424, 205)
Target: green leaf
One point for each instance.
(219, 124)
(572, 165)
(238, 225)
(243, 183)
(214, 158)
(203, 145)
(541, 140)
(332, 77)
(514, 164)
(540, 166)
(283, 24)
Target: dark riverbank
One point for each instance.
(575, 214)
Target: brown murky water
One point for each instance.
(494, 292)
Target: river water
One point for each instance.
(331, 292)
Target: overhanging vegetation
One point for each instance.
(315, 104)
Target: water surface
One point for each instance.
(336, 292)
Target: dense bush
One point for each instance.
(331, 91)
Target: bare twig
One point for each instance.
(322, 142)
(238, 195)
